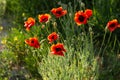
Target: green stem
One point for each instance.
(102, 43)
(63, 31)
(114, 43)
(107, 43)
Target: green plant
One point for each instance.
(78, 64)
(6, 59)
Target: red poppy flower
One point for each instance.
(58, 12)
(58, 49)
(80, 18)
(33, 42)
(88, 12)
(44, 18)
(52, 37)
(30, 22)
(112, 25)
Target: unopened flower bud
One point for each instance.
(54, 24)
(43, 26)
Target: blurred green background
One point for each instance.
(18, 9)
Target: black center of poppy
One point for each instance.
(52, 37)
(44, 19)
(112, 25)
(58, 49)
(32, 41)
(81, 18)
(58, 12)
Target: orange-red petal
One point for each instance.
(88, 12)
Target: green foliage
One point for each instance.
(104, 11)
(6, 59)
(17, 8)
(77, 64)
(25, 55)
(15, 41)
(2, 7)
(111, 67)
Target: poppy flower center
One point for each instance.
(52, 37)
(58, 12)
(81, 18)
(58, 49)
(32, 41)
(112, 25)
(44, 19)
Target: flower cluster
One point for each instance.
(81, 17)
(56, 48)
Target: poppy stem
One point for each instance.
(107, 43)
(102, 43)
